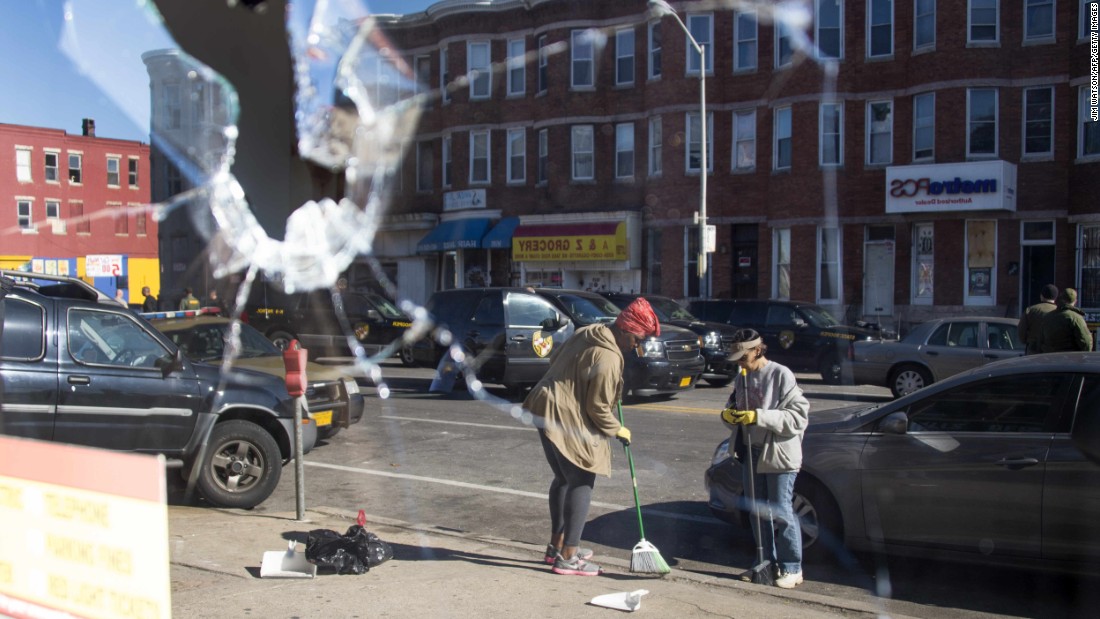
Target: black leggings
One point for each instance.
(570, 494)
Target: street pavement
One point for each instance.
(216, 556)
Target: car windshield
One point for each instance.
(206, 342)
(587, 310)
(817, 316)
(384, 307)
(667, 309)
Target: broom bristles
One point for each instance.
(646, 559)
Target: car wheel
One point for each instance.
(830, 370)
(328, 432)
(908, 378)
(819, 518)
(407, 356)
(281, 339)
(719, 382)
(241, 467)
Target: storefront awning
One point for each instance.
(574, 241)
(454, 234)
(500, 237)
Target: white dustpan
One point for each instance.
(286, 564)
(629, 602)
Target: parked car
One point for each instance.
(802, 336)
(79, 368)
(334, 400)
(668, 364)
(717, 337)
(983, 466)
(932, 351)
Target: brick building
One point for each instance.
(76, 206)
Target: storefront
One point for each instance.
(588, 251)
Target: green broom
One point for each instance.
(645, 558)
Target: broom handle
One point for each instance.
(633, 477)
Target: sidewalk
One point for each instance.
(216, 556)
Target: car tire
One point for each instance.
(281, 339)
(327, 432)
(908, 378)
(819, 518)
(830, 369)
(241, 466)
(406, 354)
(719, 382)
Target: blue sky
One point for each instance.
(58, 71)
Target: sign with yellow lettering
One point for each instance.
(86, 532)
(591, 241)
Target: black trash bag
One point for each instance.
(355, 552)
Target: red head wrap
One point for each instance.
(638, 318)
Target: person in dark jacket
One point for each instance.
(1030, 323)
(150, 303)
(1064, 329)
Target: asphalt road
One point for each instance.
(460, 463)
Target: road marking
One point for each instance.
(522, 493)
(457, 423)
(664, 407)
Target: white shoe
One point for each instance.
(789, 580)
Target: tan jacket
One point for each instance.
(576, 402)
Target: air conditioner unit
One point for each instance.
(58, 226)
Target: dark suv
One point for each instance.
(717, 337)
(667, 364)
(80, 368)
(801, 336)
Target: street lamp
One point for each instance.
(661, 7)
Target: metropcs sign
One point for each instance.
(970, 186)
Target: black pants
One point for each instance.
(570, 494)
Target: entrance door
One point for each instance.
(745, 261)
(1038, 266)
(878, 278)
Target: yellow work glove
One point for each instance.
(623, 435)
(732, 416)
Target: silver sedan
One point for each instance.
(931, 352)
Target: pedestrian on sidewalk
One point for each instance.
(1030, 325)
(767, 403)
(189, 300)
(1064, 329)
(150, 303)
(575, 408)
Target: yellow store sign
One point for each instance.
(588, 241)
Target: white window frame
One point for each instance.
(931, 127)
(116, 161)
(481, 135)
(740, 65)
(444, 76)
(871, 26)
(517, 156)
(1084, 113)
(23, 165)
(447, 161)
(517, 63)
(917, 17)
(543, 75)
(704, 36)
(1045, 37)
(782, 33)
(970, 40)
(656, 142)
(821, 262)
(929, 259)
(424, 161)
(818, 27)
(1083, 25)
(1026, 120)
(871, 133)
(422, 73)
(542, 173)
(582, 146)
(582, 50)
(624, 149)
(1088, 240)
(133, 170)
(979, 300)
(55, 206)
(739, 138)
(24, 215)
(692, 141)
(823, 110)
(781, 257)
(996, 123)
(653, 35)
(479, 72)
(624, 53)
(56, 167)
(778, 117)
(79, 167)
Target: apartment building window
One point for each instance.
(745, 40)
(924, 126)
(479, 157)
(783, 50)
(517, 155)
(583, 153)
(982, 21)
(694, 141)
(702, 29)
(782, 146)
(23, 165)
(517, 62)
(655, 140)
(924, 24)
(544, 59)
(121, 217)
(444, 76)
(1089, 289)
(112, 171)
(880, 28)
(981, 121)
(424, 161)
(923, 263)
(653, 262)
(829, 23)
(51, 167)
(654, 50)
(828, 263)
(422, 68)
(1088, 132)
(744, 140)
(1038, 20)
(624, 57)
(624, 150)
(981, 257)
(781, 273)
(831, 123)
(24, 214)
(75, 173)
(1084, 20)
(880, 132)
(1039, 121)
(132, 171)
(544, 156)
(76, 215)
(583, 70)
(141, 219)
(53, 210)
(447, 161)
(477, 66)
(173, 110)
(172, 179)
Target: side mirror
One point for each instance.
(373, 314)
(894, 423)
(801, 324)
(169, 364)
(553, 324)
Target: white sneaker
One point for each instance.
(789, 580)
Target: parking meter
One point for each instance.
(294, 360)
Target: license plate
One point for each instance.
(685, 381)
(323, 418)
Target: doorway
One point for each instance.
(1036, 261)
